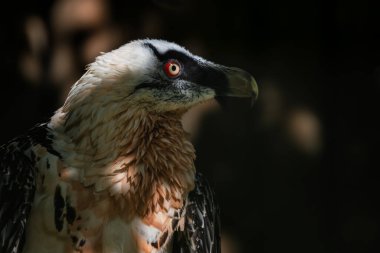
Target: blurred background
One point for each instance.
(297, 173)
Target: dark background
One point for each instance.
(297, 173)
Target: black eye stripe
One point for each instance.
(171, 54)
(201, 74)
(189, 66)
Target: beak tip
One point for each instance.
(255, 90)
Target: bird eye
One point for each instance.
(172, 68)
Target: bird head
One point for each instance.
(158, 76)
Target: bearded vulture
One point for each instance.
(113, 170)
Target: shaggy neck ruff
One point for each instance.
(138, 157)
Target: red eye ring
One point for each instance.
(172, 68)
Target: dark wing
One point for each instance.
(17, 187)
(202, 222)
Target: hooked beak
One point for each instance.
(239, 84)
(228, 82)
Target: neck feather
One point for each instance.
(132, 154)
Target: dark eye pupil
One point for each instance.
(174, 68)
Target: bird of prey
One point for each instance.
(113, 170)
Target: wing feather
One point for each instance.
(17, 187)
(202, 222)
